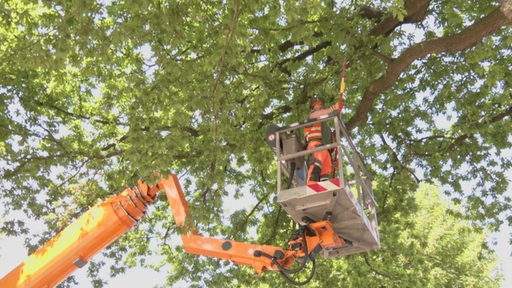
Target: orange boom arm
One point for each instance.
(77, 243)
(104, 223)
(319, 235)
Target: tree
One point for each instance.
(98, 94)
(436, 249)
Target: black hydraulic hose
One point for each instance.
(285, 274)
(302, 265)
(292, 173)
(285, 271)
(297, 283)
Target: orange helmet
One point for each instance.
(315, 101)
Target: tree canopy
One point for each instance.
(97, 94)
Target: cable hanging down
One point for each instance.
(285, 272)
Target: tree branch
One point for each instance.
(281, 65)
(398, 161)
(415, 12)
(454, 43)
(454, 142)
(367, 261)
(506, 8)
(507, 112)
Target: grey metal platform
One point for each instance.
(347, 216)
(350, 207)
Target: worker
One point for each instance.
(320, 164)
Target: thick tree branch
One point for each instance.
(506, 8)
(282, 64)
(370, 12)
(454, 43)
(415, 12)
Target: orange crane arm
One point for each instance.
(237, 252)
(104, 223)
(260, 257)
(77, 243)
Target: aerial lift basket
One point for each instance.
(346, 200)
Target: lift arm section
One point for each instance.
(77, 243)
(317, 236)
(237, 252)
(106, 222)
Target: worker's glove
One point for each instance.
(338, 106)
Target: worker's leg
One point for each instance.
(314, 173)
(321, 166)
(325, 158)
(315, 166)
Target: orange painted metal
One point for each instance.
(77, 243)
(322, 236)
(107, 221)
(177, 202)
(237, 252)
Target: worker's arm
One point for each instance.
(315, 114)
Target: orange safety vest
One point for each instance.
(313, 132)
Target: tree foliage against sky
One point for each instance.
(96, 94)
